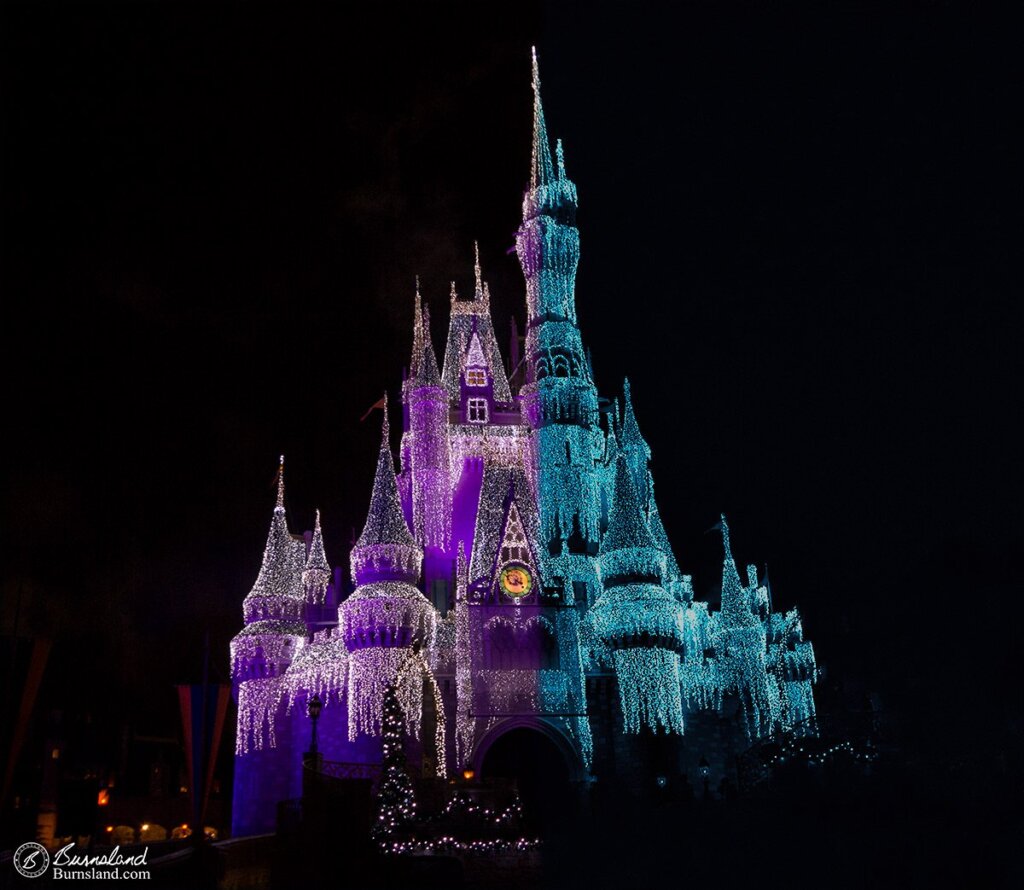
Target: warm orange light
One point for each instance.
(110, 828)
(103, 798)
(469, 774)
(145, 826)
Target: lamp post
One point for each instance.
(315, 707)
(705, 773)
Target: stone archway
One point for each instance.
(543, 764)
(541, 738)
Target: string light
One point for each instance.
(542, 485)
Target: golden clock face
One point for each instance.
(516, 581)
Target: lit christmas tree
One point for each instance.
(396, 798)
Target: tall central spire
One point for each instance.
(542, 170)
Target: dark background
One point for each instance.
(801, 239)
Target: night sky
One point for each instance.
(800, 236)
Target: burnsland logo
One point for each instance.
(31, 861)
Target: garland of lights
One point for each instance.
(320, 669)
(649, 691)
(410, 682)
(464, 724)
(371, 671)
(629, 609)
(258, 702)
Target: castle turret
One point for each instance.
(429, 474)
(469, 318)
(634, 446)
(317, 572)
(386, 616)
(636, 618)
(274, 631)
(273, 609)
(559, 399)
(427, 404)
(740, 648)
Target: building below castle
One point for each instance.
(513, 580)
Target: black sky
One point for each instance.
(801, 236)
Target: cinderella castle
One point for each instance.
(513, 576)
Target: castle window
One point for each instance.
(476, 377)
(476, 410)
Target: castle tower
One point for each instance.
(273, 609)
(469, 318)
(636, 618)
(386, 617)
(741, 646)
(316, 574)
(426, 456)
(273, 636)
(559, 398)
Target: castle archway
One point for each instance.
(540, 759)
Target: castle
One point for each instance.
(513, 575)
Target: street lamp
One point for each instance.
(315, 707)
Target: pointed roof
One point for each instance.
(427, 373)
(541, 169)
(475, 357)
(735, 608)
(417, 332)
(280, 574)
(549, 190)
(661, 540)
(631, 436)
(469, 317)
(480, 291)
(627, 525)
(501, 487)
(385, 522)
(316, 558)
(386, 549)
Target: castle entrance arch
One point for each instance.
(540, 759)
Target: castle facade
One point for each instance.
(513, 574)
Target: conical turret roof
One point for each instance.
(627, 525)
(735, 606)
(280, 577)
(316, 558)
(386, 548)
(385, 522)
(427, 373)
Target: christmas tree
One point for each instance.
(396, 798)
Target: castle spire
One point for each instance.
(417, 332)
(386, 549)
(428, 373)
(280, 485)
(541, 169)
(631, 435)
(478, 283)
(735, 608)
(627, 525)
(385, 523)
(279, 583)
(317, 573)
(469, 318)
